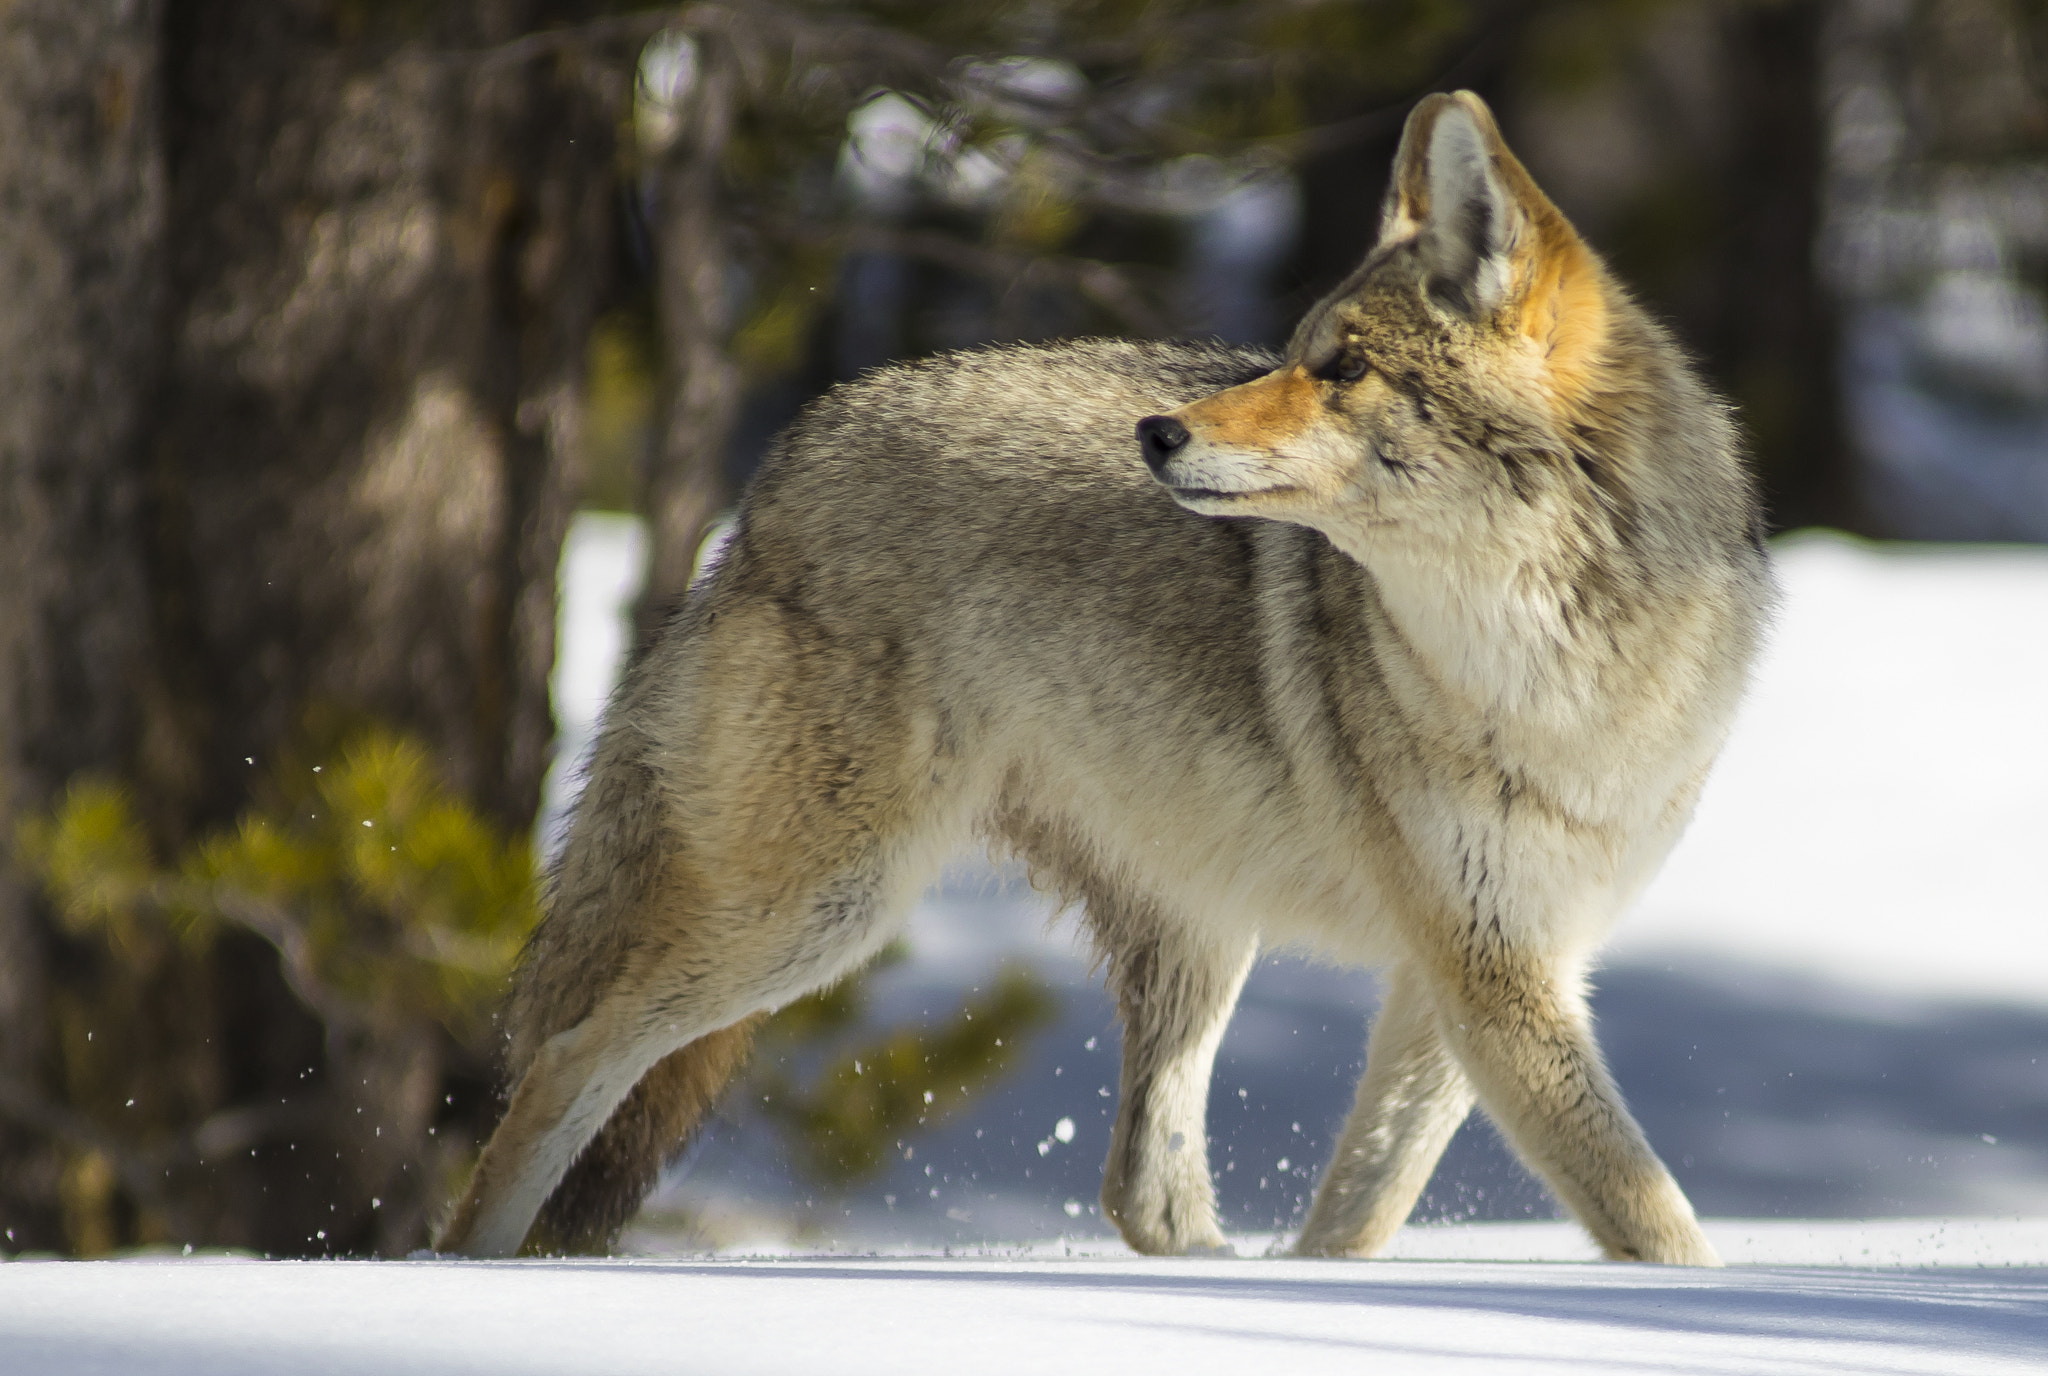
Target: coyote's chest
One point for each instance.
(1498, 780)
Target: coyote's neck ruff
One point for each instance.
(1413, 647)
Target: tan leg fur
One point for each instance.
(1411, 1100)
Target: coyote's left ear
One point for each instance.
(1489, 238)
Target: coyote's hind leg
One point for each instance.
(1410, 1101)
(1174, 993)
(575, 1081)
(655, 1124)
(718, 966)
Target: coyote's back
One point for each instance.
(1411, 645)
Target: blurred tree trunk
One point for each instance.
(296, 295)
(685, 484)
(1690, 142)
(1773, 341)
(82, 220)
(384, 262)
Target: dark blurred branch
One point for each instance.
(1500, 32)
(143, 1170)
(284, 933)
(141, 1173)
(883, 57)
(1103, 284)
(29, 1108)
(633, 29)
(235, 1130)
(836, 38)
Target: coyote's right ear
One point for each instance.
(1446, 194)
(1488, 237)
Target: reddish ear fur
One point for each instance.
(1558, 293)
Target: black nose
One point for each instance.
(1160, 437)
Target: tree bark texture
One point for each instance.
(292, 304)
(384, 263)
(82, 218)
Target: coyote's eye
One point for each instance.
(1348, 366)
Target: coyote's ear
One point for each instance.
(1449, 197)
(1489, 237)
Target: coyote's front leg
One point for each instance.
(1410, 1101)
(1175, 995)
(1520, 1027)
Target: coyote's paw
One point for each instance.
(1328, 1247)
(1160, 1227)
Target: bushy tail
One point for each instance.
(605, 1187)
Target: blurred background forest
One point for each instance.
(320, 320)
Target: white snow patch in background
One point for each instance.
(1881, 812)
(604, 565)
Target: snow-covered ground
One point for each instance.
(1003, 1314)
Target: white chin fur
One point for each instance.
(1221, 472)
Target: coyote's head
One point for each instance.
(1464, 373)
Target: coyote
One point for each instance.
(1411, 647)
